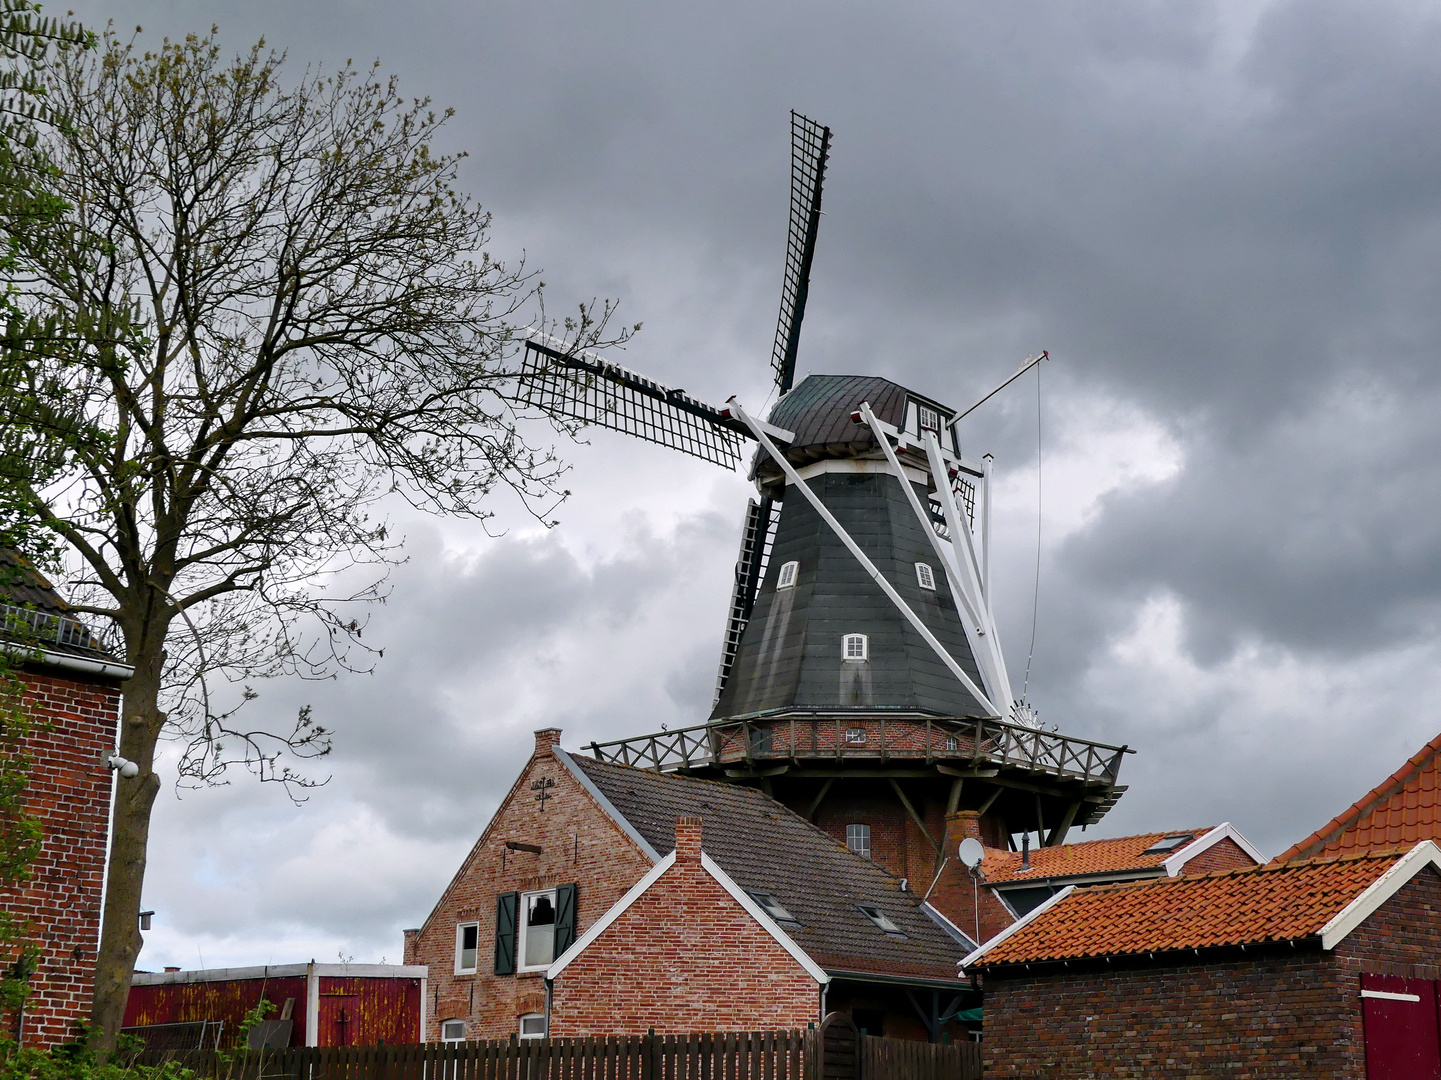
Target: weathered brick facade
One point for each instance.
(685, 956)
(69, 790)
(1271, 1011)
(579, 845)
(1225, 854)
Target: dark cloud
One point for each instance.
(1224, 221)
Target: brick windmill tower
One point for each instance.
(861, 678)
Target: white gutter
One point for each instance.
(113, 668)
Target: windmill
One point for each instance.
(862, 590)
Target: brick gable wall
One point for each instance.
(580, 845)
(1225, 854)
(1274, 1012)
(69, 790)
(686, 956)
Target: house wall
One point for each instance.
(1277, 1012)
(896, 842)
(69, 790)
(1225, 854)
(685, 956)
(580, 845)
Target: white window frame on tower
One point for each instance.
(858, 838)
(925, 576)
(787, 577)
(856, 647)
(925, 413)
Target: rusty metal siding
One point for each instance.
(227, 1001)
(359, 1011)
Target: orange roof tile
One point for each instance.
(1403, 809)
(1236, 907)
(1116, 855)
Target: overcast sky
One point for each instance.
(1222, 219)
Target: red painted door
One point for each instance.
(1402, 1039)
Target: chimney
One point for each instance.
(687, 839)
(546, 740)
(959, 826)
(1025, 851)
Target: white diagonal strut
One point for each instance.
(972, 605)
(845, 538)
(960, 530)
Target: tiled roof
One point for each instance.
(1116, 855)
(33, 612)
(1241, 907)
(1403, 809)
(768, 848)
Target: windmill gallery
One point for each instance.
(870, 822)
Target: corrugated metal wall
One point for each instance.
(228, 1002)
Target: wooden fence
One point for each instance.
(776, 1055)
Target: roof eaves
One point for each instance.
(1424, 854)
(960, 936)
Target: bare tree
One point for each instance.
(312, 325)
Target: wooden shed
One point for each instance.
(314, 1005)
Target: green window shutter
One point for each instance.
(505, 909)
(564, 918)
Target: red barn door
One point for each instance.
(1402, 1040)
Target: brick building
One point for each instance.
(1318, 968)
(574, 839)
(71, 691)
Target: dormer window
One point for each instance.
(787, 578)
(930, 420)
(855, 647)
(879, 917)
(925, 576)
(1169, 843)
(774, 908)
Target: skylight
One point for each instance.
(1169, 843)
(774, 908)
(879, 917)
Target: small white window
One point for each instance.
(953, 743)
(537, 930)
(858, 839)
(855, 736)
(452, 1031)
(925, 576)
(467, 942)
(879, 917)
(787, 579)
(855, 647)
(930, 420)
(532, 1026)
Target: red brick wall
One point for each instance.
(69, 791)
(1224, 855)
(1276, 1016)
(579, 845)
(684, 957)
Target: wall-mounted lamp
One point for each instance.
(145, 919)
(123, 766)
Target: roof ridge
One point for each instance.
(1364, 805)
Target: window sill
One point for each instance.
(532, 973)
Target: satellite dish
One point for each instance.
(971, 852)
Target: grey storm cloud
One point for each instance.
(1223, 220)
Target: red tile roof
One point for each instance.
(1238, 907)
(1404, 809)
(1116, 855)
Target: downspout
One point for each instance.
(823, 1002)
(312, 1005)
(549, 993)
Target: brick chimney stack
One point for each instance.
(687, 839)
(961, 824)
(546, 740)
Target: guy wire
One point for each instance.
(1036, 591)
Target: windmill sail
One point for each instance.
(810, 146)
(581, 386)
(755, 551)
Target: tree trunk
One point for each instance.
(120, 940)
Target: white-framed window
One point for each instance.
(855, 736)
(467, 947)
(928, 418)
(774, 908)
(925, 576)
(953, 743)
(788, 574)
(858, 839)
(452, 1031)
(532, 1026)
(855, 647)
(536, 947)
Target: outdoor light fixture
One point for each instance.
(145, 919)
(123, 766)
